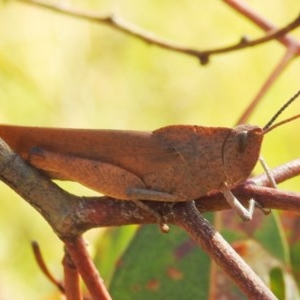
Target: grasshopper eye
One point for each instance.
(242, 141)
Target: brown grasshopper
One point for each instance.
(174, 163)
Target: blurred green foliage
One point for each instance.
(59, 71)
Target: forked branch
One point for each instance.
(188, 217)
(69, 216)
(130, 29)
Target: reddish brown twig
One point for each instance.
(283, 63)
(262, 22)
(72, 279)
(280, 173)
(124, 26)
(292, 50)
(43, 267)
(189, 218)
(77, 249)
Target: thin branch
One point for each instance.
(124, 26)
(220, 251)
(262, 22)
(43, 267)
(280, 174)
(90, 275)
(292, 45)
(281, 66)
(272, 35)
(72, 278)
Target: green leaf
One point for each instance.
(109, 248)
(161, 266)
(277, 283)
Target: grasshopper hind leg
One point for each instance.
(103, 177)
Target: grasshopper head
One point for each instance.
(240, 152)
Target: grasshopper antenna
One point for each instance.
(269, 126)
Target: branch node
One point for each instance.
(204, 59)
